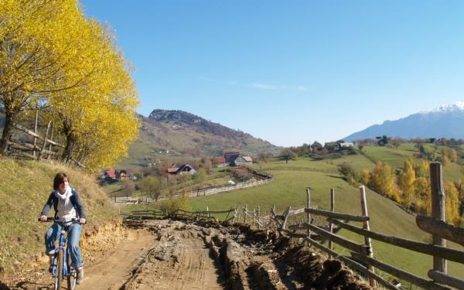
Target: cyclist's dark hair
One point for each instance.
(59, 179)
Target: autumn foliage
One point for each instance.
(409, 187)
(53, 56)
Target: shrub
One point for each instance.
(348, 172)
(172, 205)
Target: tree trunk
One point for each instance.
(70, 143)
(7, 131)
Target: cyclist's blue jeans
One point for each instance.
(74, 234)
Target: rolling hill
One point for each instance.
(443, 122)
(177, 134)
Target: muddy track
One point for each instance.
(208, 255)
(167, 254)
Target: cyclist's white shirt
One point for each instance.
(65, 209)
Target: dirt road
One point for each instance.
(166, 254)
(114, 269)
(201, 255)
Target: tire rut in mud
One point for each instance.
(211, 255)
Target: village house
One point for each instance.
(109, 176)
(316, 146)
(230, 157)
(337, 146)
(243, 160)
(235, 158)
(219, 161)
(182, 169)
(123, 175)
(346, 145)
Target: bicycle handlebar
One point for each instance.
(52, 219)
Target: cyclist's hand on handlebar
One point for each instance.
(43, 218)
(82, 221)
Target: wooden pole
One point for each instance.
(245, 211)
(287, 214)
(254, 217)
(438, 211)
(366, 226)
(45, 141)
(35, 130)
(308, 205)
(50, 148)
(332, 208)
(258, 213)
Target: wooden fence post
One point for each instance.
(332, 208)
(45, 141)
(366, 226)
(254, 223)
(308, 205)
(245, 211)
(50, 148)
(258, 214)
(287, 214)
(207, 211)
(35, 131)
(438, 211)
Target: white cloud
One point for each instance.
(262, 86)
(257, 85)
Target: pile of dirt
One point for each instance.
(211, 255)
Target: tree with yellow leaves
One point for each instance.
(100, 115)
(365, 177)
(50, 51)
(406, 183)
(382, 180)
(452, 203)
(35, 49)
(423, 201)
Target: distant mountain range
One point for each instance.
(177, 134)
(443, 122)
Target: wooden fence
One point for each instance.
(41, 147)
(139, 215)
(362, 255)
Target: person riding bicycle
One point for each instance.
(68, 207)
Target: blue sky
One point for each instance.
(291, 71)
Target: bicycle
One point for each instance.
(61, 259)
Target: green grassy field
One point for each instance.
(288, 189)
(396, 157)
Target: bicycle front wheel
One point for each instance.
(72, 281)
(72, 275)
(59, 269)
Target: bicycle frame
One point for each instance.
(62, 257)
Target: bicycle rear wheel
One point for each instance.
(59, 269)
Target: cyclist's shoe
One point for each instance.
(52, 268)
(51, 253)
(80, 275)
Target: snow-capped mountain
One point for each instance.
(446, 121)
